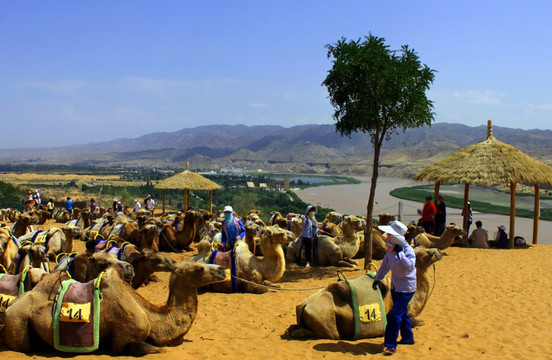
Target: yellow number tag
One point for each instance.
(40, 239)
(5, 301)
(369, 313)
(228, 275)
(71, 312)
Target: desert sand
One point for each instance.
(486, 304)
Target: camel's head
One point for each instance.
(86, 214)
(36, 252)
(25, 219)
(253, 228)
(455, 230)
(157, 261)
(72, 231)
(195, 275)
(333, 217)
(414, 230)
(151, 231)
(426, 257)
(385, 219)
(102, 261)
(353, 223)
(278, 235)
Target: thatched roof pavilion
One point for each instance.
(491, 162)
(188, 180)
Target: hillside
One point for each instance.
(306, 148)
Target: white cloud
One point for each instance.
(479, 97)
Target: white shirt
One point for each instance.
(150, 203)
(138, 206)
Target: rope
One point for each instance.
(168, 242)
(276, 288)
(434, 282)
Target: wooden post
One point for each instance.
(536, 214)
(211, 201)
(512, 214)
(163, 201)
(436, 202)
(185, 199)
(465, 211)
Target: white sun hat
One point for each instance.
(228, 208)
(396, 228)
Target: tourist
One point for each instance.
(37, 199)
(401, 260)
(232, 229)
(120, 207)
(428, 214)
(137, 205)
(69, 205)
(309, 233)
(501, 240)
(115, 205)
(440, 216)
(30, 200)
(150, 204)
(470, 219)
(50, 206)
(479, 237)
(94, 209)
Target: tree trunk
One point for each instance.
(370, 208)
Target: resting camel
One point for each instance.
(378, 244)
(253, 232)
(62, 216)
(329, 225)
(30, 254)
(22, 225)
(295, 224)
(8, 248)
(260, 271)
(181, 233)
(127, 320)
(59, 240)
(84, 268)
(336, 251)
(145, 238)
(385, 219)
(431, 241)
(328, 313)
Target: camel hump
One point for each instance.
(368, 308)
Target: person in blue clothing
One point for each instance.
(69, 204)
(309, 232)
(232, 229)
(501, 240)
(401, 260)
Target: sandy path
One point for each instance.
(352, 199)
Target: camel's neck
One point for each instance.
(172, 321)
(445, 240)
(273, 263)
(422, 290)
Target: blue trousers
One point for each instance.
(398, 320)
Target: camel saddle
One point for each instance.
(368, 308)
(96, 229)
(120, 228)
(11, 286)
(228, 262)
(76, 315)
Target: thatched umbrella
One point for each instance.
(491, 162)
(188, 180)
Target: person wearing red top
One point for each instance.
(428, 213)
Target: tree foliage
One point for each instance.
(377, 90)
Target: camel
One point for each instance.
(336, 251)
(263, 271)
(295, 224)
(13, 215)
(58, 240)
(22, 225)
(328, 313)
(30, 254)
(378, 244)
(253, 231)
(181, 233)
(145, 238)
(329, 225)
(148, 262)
(8, 249)
(62, 216)
(84, 268)
(127, 320)
(385, 219)
(431, 241)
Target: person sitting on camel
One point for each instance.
(232, 229)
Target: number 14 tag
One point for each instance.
(71, 312)
(369, 313)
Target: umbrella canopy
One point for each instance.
(486, 163)
(491, 162)
(188, 180)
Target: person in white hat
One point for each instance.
(401, 260)
(309, 233)
(137, 205)
(501, 240)
(232, 229)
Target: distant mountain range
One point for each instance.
(306, 148)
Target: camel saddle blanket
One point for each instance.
(11, 286)
(96, 229)
(73, 222)
(368, 308)
(40, 237)
(76, 315)
(116, 230)
(228, 262)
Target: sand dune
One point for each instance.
(486, 304)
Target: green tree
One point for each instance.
(377, 91)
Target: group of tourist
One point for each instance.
(434, 218)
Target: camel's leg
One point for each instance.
(298, 332)
(16, 325)
(354, 262)
(140, 349)
(344, 263)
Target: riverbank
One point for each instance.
(352, 199)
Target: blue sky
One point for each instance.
(75, 72)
